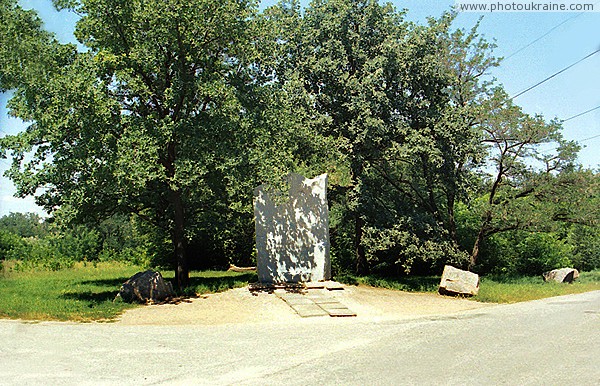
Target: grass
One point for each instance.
(408, 283)
(521, 289)
(491, 290)
(205, 282)
(86, 292)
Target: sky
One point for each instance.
(535, 45)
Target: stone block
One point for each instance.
(146, 286)
(458, 282)
(292, 238)
(563, 275)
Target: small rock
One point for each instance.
(146, 286)
(458, 282)
(563, 275)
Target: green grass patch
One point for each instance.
(205, 282)
(492, 289)
(405, 283)
(81, 293)
(521, 289)
(86, 292)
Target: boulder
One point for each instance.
(146, 286)
(563, 275)
(458, 282)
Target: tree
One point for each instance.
(430, 166)
(24, 224)
(146, 121)
(404, 104)
(344, 58)
(523, 176)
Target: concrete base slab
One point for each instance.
(341, 313)
(309, 310)
(315, 304)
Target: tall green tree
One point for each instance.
(521, 180)
(404, 103)
(147, 120)
(343, 57)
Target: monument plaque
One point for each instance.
(292, 238)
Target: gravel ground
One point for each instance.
(242, 306)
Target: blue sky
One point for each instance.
(573, 37)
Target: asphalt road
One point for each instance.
(548, 342)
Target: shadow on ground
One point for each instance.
(408, 283)
(117, 282)
(94, 298)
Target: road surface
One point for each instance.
(546, 342)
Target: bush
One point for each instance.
(586, 247)
(541, 252)
(11, 245)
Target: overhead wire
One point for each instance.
(589, 138)
(543, 36)
(555, 74)
(580, 114)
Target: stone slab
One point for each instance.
(315, 304)
(292, 237)
(309, 310)
(332, 306)
(341, 312)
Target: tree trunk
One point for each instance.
(362, 267)
(475, 251)
(182, 273)
(483, 232)
(452, 220)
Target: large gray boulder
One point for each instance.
(563, 275)
(458, 282)
(146, 286)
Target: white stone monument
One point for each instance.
(292, 238)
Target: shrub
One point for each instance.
(586, 247)
(540, 252)
(11, 245)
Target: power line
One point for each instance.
(587, 139)
(580, 114)
(555, 74)
(576, 140)
(543, 36)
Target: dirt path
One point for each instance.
(242, 306)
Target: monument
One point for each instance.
(292, 237)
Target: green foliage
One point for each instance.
(11, 245)
(585, 241)
(399, 251)
(60, 246)
(541, 252)
(24, 224)
(176, 111)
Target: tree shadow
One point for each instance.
(402, 283)
(117, 282)
(200, 285)
(419, 283)
(94, 298)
